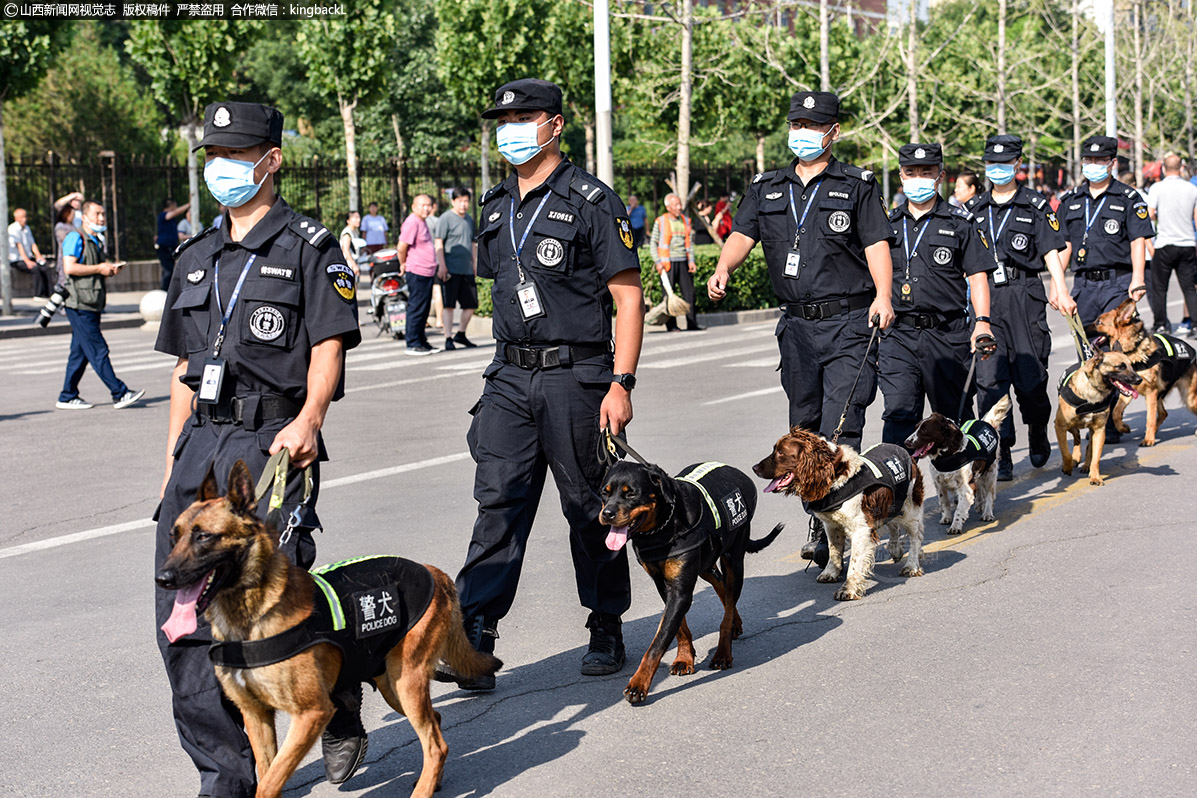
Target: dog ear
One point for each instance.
(1126, 312)
(241, 490)
(663, 483)
(208, 489)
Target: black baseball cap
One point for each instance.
(527, 94)
(1099, 147)
(817, 106)
(241, 125)
(1002, 149)
(920, 155)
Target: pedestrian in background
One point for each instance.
(456, 255)
(673, 247)
(417, 260)
(1172, 204)
(637, 217)
(703, 231)
(74, 201)
(968, 185)
(167, 239)
(85, 259)
(375, 227)
(24, 256)
(350, 241)
(723, 217)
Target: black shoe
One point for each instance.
(466, 342)
(1041, 448)
(1005, 464)
(816, 548)
(449, 347)
(344, 741)
(605, 655)
(482, 635)
(695, 328)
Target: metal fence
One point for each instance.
(133, 190)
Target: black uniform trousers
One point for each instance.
(1019, 323)
(929, 363)
(209, 725)
(819, 362)
(1183, 261)
(683, 283)
(526, 423)
(1095, 297)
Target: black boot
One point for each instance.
(1041, 448)
(344, 740)
(1005, 464)
(482, 634)
(605, 655)
(815, 548)
(1112, 433)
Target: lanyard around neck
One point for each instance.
(912, 251)
(517, 249)
(798, 223)
(226, 315)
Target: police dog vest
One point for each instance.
(980, 443)
(729, 500)
(1082, 407)
(1172, 355)
(884, 466)
(363, 606)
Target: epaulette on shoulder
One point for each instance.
(492, 192)
(964, 212)
(1131, 192)
(194, 239)
(856, 171)
(1038, 201)
(762, 176)
(895, 215)
(588, 186)
(309, 230)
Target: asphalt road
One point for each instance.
(1049, 653)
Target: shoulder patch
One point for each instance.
(1053, 221)
(624, 226)
(310, 230)
(588, 186)
(193, 240)
(981, 235)
(343, 281)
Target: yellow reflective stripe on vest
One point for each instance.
(965, 428)
(323, 569)
(698, 473)
(1163, 340)
(334, 601)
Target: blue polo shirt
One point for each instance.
(168, 231)
(73, 244)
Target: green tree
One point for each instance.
(25, 52)
(346, 58)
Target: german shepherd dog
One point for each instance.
(1092, 382)
(226, 561)
(672, 529)
(1162, 362)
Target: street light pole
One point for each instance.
(604, 159)
(1111, 113)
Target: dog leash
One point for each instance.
(986, 346)
(844, 416)
(607, 454)
(1084, 349)
(274, 480)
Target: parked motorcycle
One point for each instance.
(388, 302)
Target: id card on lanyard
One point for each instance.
(1000, 276)
(794, 257)
(526, 293)
(216, 367)
(1082, 251)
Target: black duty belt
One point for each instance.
(925, 321)
(548, 357)
(1099, 275)
(825, 310)
(233, 411)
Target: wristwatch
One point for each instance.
(625, 381)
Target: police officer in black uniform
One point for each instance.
(1107, 227)
(826, 237)
(260, 312)
(1024, 236)
(558, 245)
(938, 254)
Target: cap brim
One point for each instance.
(922, 162)
(814, 116)
(497, 111)
(1000, 157)
(236, 140)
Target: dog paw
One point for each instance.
(1147, 442)
(826, 577)
(895, 555)
(954, 530)
(721, 662)
(911, 571)
(1067, 470)
(945, 519)
(634, 693)
(1097, 480)
(988, 517)
(680, 668)
(1122, 427)
(849, 594)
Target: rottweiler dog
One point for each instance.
(682, 528)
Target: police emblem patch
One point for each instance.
(222, 118)
(625, 231)
(341, 277)
(773, 195)
(839, 221)
(809, 102)
(1111, 226)
(1053, 221)
(920, 153)
(1141, 211)
(267, 323)
(550, 252)
(942, 256)
(984, 240)
(508, 97)
(493, 216)
(1094, 147)
(998, 148)
(1019, 241)
(195, 276)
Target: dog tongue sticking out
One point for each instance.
(779, 482)
(182, 619)
(922, 452)
(617, 538)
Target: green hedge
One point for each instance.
(750, 288)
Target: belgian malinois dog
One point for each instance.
(1087, 393)
(225, 561)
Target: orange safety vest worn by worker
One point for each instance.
(663, 248)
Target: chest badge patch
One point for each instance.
(267, 323)
(942, 256)
(550, 252)
(839, 221)
(1019, 241)
(1111, 227)
(561, 216)
(774, 195)
(625, 233)
(279, 272)
(343, 282)
(195, 277)
(493, 216)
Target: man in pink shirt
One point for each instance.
(417, 261)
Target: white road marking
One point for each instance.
(749, 395)
(769, 362)
(686, 361)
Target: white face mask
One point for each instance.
(918, 189)
(518, 141)
(1095, 172)
(808, 144)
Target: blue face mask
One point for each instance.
(232, 182)
(1000, 173)
(1095, 172)
(518, 141)
(98, 228)
(918, 189)
(808, 144)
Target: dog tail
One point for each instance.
(997, 414)
(753, 546)
(458, 653)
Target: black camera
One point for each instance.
(53, 304)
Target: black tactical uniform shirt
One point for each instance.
(1023, 230)
(298, 292)
(846, 214)
(1118, 216)
(577, 238)
(943, 245)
